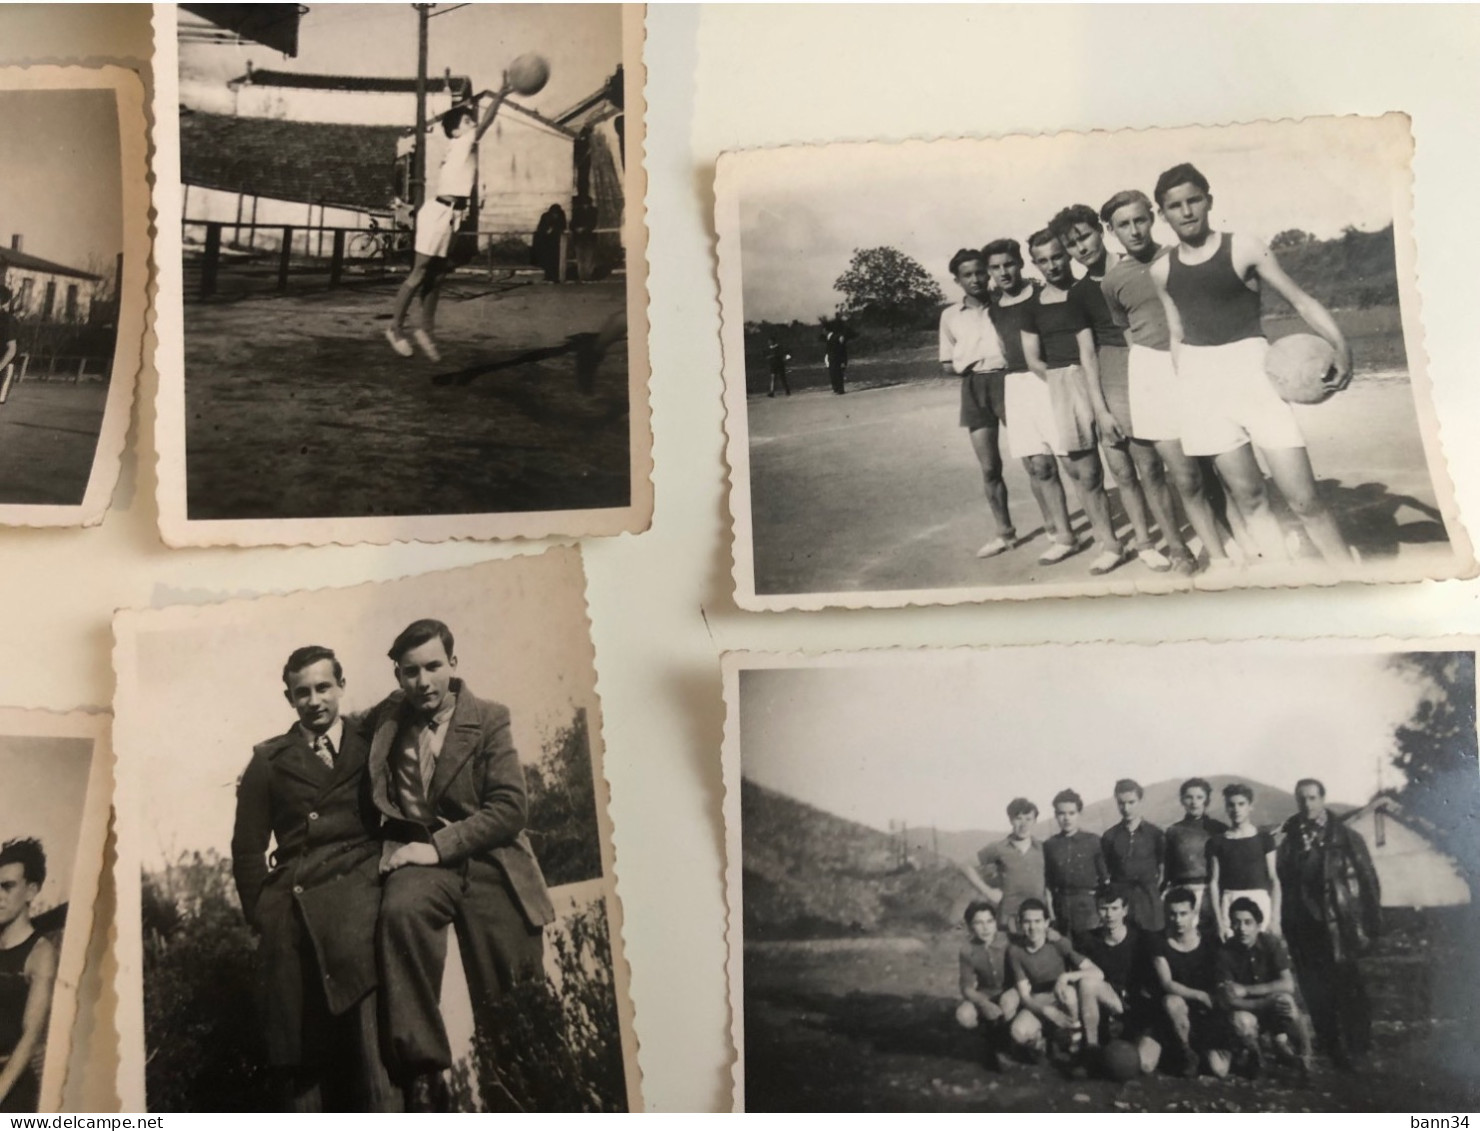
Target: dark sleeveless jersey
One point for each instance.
(1214, 304)
(1010, 321)
(1091, 299)
(14, 989)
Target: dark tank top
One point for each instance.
(1214, 304)
(14, 989)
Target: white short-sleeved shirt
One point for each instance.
(968, 339)
(459, 167)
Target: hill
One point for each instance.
(809, 874)
(1161, 806)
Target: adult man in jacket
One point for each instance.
(314, 901)
(446, 777)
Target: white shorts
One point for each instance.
(1050, 417)
(1228, 401)
(1156, 397)
(436, 223)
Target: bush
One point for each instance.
(562, 806)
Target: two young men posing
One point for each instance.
(1154, 358)
(388, 830)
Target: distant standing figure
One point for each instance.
(9, 347)
(1241, 863)
(1134, 850)
(1332, 913)
(1014, 864)
(835, 354)
(1074, 868)
(776, 359)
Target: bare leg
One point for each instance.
(1132, 498)
(1152, 472)
(1297, 482)
(1245, 482)
(1048, 491)
(1187, 477)
(409, 289)
(989, 455)
(431, 291)
(1089, 478)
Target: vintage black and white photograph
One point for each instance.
(364, 858)
(1243, 880)
(74, 251)
(402, 272)
(55, 813)
(1123, 362)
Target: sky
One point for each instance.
(804, 210)
(63, 182)
(45, 792)
(214, 689)
(582, 42)
(950, 738)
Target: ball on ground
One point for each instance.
(528, 74)
(1298, 366)
(1121, 1060)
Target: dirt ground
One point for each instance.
(48, 434)
(867, 1025)
(879, 490)
(296, 407)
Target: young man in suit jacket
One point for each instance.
(314, 901)
(446, 777)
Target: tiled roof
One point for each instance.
(9, 257)
(312, 162)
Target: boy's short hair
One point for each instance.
(1183, 174)
(28, 853)
(1068, 797)
(1244, 903)
(1129, 785)
(1121, 199)
(1180, 895)
(965, 256)
(1196, 783)
(307, 656)
(1020, 805)
(454, 118)
(1041, 237)
(1032, 905)
(1065, 219)
(1317, 782)
(417, 633)
(1008, 247)
(1237, 789)
(976, 907)
(1109, 893)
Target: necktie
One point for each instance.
(323, 746)
(408, 781)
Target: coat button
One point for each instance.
(297, 889)
(313, 816)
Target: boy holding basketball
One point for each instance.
(438, 220)
(1209, 286)
(971, 350)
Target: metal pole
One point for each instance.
(419, 157)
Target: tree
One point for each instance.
(1289, 238)
(1437, 751)
(886, 287)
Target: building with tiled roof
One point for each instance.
(44, 290)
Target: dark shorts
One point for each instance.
(1115, 379)
(984, 400)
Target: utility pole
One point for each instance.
(419, 155)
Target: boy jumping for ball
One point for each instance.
(438, 220)
(1209, 287)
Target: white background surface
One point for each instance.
(660, 601)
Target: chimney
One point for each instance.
(15, 242)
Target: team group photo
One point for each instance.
(1264, 911)
(1170, 369)
(409, 252)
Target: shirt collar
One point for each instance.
(969, 303)
(335, 734)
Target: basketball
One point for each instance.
(528, 74)
(1121, 1060)
(1298, 366)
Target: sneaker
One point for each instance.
(428, 347)
(1057, 552)
(1153, 559)
(999, 545)
(1107, 561)
(399, 344)
(1183, 562)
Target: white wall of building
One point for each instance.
(349, 107)
(1413, 873)
(29, 287)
